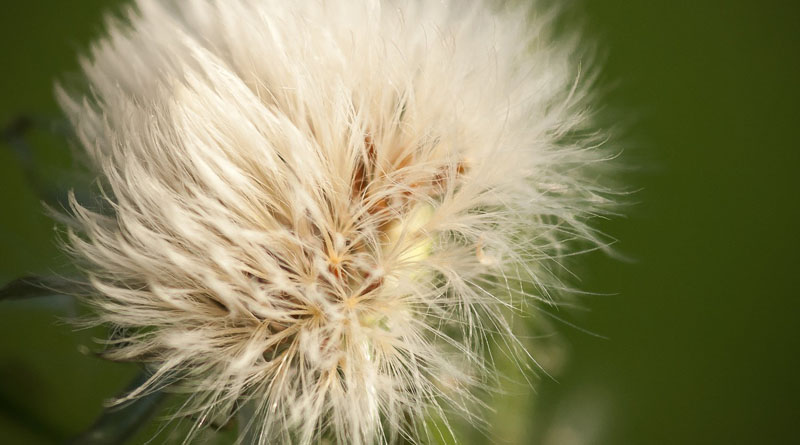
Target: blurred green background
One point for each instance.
(702, 325)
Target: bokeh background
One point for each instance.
(701, 323)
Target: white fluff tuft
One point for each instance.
(321, 209)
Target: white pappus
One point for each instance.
(321, 209)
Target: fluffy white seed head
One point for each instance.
(319, 209)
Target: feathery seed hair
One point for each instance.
(321, 209)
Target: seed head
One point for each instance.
(321, 209)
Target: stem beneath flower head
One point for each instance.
(248, 433)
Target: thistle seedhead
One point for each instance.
(321, 209)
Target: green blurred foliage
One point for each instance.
(701, 323)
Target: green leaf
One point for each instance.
(40, 144)
(37, 286)
(118, 424)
